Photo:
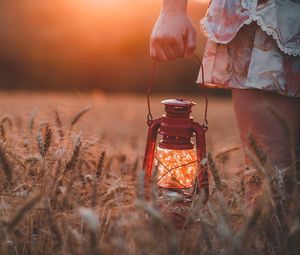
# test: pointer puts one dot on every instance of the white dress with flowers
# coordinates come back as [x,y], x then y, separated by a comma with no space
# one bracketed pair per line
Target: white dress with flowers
[253,45]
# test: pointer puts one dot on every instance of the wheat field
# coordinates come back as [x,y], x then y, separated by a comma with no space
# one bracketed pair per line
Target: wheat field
[71,183]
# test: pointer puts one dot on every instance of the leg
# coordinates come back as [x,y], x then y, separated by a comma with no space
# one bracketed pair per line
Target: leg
[253,116]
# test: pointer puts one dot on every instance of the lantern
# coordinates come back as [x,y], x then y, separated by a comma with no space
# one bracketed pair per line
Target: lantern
[180,162]
[179,157]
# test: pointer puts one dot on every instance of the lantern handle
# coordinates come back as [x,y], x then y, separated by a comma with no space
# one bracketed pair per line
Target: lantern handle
[150,85]
[205,121]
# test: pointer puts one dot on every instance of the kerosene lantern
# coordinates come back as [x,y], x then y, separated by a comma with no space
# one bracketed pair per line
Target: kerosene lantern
[179,157]
[180,163]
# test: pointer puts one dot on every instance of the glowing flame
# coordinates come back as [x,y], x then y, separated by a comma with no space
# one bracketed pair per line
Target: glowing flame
[176,168]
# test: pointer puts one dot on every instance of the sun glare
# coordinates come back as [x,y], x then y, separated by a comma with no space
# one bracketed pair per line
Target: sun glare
[202,1]
[111,4]
[102,3]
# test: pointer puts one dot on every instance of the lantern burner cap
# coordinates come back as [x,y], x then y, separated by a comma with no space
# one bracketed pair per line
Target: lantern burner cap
[178,102]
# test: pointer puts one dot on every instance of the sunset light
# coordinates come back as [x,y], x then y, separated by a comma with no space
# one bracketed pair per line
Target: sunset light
[82,43]
[111,145]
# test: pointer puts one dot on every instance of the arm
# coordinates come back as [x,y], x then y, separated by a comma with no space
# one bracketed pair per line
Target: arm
[173,35]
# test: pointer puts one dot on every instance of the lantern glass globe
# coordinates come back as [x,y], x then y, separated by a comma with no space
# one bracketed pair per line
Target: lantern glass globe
[176,168]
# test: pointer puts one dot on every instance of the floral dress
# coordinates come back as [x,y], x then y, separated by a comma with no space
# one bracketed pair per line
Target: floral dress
[253,45]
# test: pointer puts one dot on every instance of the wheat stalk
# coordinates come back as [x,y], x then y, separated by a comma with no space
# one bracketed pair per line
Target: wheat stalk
[159,218]
[215,172]
[57,235]
[59,126]
[259,153]
[141,185]
[2,133]
[22,211]
[5,163]
[77,117]
[31,121]
[75,154]
[94,193]
[135,165]
[5,119]
[100,164]
[47,139]
[44,140]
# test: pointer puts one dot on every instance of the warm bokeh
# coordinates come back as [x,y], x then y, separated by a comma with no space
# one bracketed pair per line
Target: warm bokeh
[84,44]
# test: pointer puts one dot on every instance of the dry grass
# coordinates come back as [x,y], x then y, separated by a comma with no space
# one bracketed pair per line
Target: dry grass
[72,184]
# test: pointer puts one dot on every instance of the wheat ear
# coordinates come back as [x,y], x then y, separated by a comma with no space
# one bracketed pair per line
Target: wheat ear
[5,163]
[59,126]
[77,117]
[75,154]
[100,164]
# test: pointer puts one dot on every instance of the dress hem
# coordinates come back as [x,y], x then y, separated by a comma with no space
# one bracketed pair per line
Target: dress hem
[226,87]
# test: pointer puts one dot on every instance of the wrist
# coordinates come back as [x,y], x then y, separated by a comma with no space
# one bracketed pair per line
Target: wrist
[177,6]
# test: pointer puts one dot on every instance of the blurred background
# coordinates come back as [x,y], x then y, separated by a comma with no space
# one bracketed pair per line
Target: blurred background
[88,44]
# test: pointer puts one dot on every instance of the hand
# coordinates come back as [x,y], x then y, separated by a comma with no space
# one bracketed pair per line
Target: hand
[173,36]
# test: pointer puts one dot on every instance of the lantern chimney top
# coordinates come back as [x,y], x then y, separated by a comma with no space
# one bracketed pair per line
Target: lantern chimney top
[179,102]
[178,108]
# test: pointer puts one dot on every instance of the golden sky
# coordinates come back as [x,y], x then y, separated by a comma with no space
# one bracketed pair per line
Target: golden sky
[92,38]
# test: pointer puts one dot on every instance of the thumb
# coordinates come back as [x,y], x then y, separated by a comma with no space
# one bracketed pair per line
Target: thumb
[190,42]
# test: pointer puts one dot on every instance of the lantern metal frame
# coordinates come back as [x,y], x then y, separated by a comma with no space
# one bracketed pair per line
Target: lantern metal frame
[177,127]
[177,137]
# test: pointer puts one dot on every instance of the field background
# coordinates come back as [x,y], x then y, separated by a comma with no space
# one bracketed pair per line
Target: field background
[114,125]
[72,183]
[118,121]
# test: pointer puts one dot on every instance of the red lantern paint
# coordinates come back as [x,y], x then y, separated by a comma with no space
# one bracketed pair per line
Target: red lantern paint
[177,129]
[181,165]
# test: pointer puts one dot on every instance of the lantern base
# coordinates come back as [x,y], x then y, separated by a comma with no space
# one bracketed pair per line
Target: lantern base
[174,205]
[168,186]
[168,190]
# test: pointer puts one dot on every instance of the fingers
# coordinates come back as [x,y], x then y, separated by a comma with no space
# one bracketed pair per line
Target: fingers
[153,53]
[172,40]
[178,48]
[161,55]
[171,49]
[190,43]
[166,49]
[157,53]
